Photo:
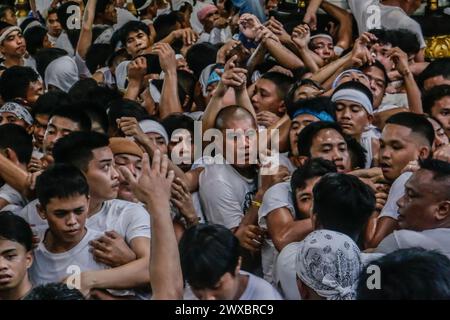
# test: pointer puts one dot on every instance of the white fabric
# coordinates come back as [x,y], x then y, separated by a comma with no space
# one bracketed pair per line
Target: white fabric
[397,191]
[354,96]
[277,196]
[177,4]
[83,70]
[123,16]
[433,239]
[42,6]
[223,193]
[62,73]
[122,74]
[329,262]
[18,110]
[195,23]
[152,126]
[108,78]
[13,197]
[391,18]
[284,274]
[216,36]
[53,267]
[366,142]
[63,42]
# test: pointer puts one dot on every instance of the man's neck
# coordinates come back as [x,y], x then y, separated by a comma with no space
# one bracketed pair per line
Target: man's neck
[55,245]
[13,61]
[243,283]
[94,206]
[393,3]
[18,292]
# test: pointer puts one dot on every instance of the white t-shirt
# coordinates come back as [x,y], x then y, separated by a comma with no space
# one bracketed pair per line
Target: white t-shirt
[432,239]
[225,194]
[128,219]
[391,18]
[53,267]
[397,191]
[216,36]
[277,196]
[284,273]
[15,199]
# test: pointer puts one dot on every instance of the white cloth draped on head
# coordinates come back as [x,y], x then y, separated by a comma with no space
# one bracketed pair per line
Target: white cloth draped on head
[329,263]
[151,126]
[62,73]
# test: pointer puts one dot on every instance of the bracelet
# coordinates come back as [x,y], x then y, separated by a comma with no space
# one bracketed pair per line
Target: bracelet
[256,203]
[192,222]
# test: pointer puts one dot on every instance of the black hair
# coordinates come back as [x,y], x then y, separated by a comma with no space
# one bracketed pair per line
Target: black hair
[186,87]
[355,85]
[132,26]
[406,40]
[199,56]
[97,56]
[15,228]
[207,252]
[45,56]
[312,168]
[380,66]
[80,89]
[34,38]
[343,203]
[101,5]
[51,11]
[14,82]
[407,274]
[125,108]
[178,121]
[384,36]
[49,101]
[4,9]
[16,138]
[60,181]
[231,111]
[75,115]
[54,291]
[76,148]
[318,104]
[25,23]
[165,24]
[433,95]
[95,112]
[103,96]
[307,135]
[418,124]
[440,169]
[439,67]
[358,155]
[282,82]
[302,82]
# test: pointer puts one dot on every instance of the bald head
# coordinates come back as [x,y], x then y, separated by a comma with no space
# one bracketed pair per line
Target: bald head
[232,113]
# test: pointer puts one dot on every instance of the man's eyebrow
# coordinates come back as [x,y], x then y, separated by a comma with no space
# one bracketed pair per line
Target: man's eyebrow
[10,250]
[106,160]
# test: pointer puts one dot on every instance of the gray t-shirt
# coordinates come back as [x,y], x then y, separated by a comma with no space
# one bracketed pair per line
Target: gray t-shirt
[225,195]
[397,191]
[277,196]
[391,17]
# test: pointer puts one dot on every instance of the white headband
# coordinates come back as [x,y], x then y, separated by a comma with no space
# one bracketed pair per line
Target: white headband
[354,96]
[7,31]
[33,24]
[18,110]
[145,5]
[322,35]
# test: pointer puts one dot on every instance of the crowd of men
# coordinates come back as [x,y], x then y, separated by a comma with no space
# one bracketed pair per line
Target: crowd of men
[112,188]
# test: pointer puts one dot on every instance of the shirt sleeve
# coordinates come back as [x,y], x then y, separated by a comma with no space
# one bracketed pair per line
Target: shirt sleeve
[137,222]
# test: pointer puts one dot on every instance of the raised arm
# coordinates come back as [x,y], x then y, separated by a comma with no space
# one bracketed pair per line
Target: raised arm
[345,23]
[85,40]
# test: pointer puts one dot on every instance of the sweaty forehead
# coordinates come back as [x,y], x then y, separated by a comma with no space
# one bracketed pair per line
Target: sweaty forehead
[321,40]
[396,132]
[63,123]
[328,136]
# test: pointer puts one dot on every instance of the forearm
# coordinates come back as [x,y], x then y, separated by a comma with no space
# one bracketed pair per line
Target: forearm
[256,58]
[165,266]
[283,55]
[413,93]
[133,89]
[314,5]
[293,232]
[330,69]
[85,40]
[243,100]
[345,23]
[213,108]
[308,60]
[170,103]
[132,275]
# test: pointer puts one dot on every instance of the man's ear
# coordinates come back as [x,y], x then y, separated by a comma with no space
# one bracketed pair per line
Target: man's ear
[11,155]
[41,211]
[370,117]
[424,152]
[29,258]
[302,160]
[282,108]
[443,211]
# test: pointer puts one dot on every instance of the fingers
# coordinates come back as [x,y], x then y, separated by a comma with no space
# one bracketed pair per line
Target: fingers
[164,165]
[99,246]
[112,234]
[128,175]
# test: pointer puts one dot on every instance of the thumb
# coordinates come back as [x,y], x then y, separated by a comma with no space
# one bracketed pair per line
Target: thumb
[126,173]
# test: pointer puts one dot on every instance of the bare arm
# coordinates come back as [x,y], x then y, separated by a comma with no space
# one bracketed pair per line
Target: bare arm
[283,229]
[85,40]
[345,23]
[13,175]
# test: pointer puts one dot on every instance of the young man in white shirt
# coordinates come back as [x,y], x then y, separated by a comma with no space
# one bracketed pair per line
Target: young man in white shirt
[211,265]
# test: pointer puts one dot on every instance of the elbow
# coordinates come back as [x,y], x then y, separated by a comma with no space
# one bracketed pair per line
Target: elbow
[280,241]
